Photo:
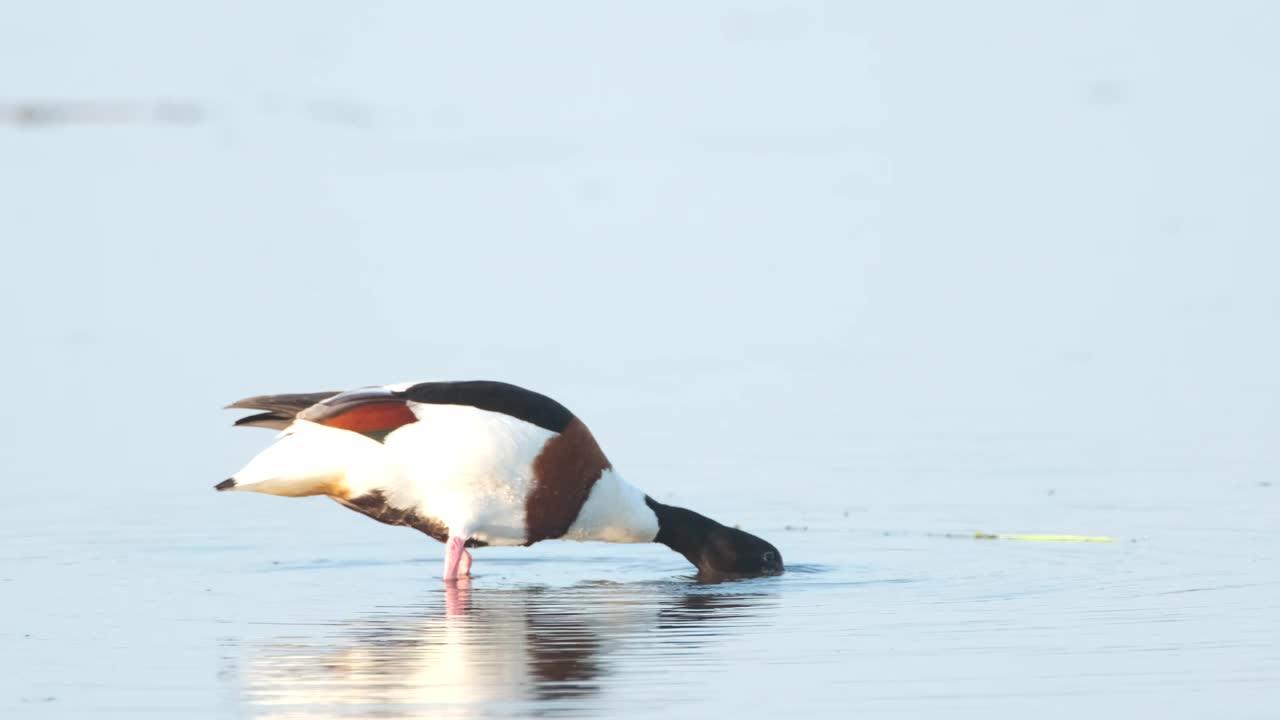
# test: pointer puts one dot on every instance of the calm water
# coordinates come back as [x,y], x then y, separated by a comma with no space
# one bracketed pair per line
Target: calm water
[201,605]
[864,278]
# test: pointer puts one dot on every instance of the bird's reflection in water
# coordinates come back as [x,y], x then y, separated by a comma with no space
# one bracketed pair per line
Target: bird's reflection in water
[497,652]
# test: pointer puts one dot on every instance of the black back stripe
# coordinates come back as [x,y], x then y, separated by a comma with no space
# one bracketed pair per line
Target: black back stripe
[498,397]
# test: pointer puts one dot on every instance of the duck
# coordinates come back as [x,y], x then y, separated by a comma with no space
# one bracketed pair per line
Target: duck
[473,464]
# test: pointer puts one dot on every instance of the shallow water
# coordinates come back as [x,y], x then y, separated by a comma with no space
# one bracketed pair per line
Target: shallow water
[300,609]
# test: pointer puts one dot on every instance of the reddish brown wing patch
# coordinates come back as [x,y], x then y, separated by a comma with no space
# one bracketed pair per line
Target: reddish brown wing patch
[373,417]
[369,411]
[563,474]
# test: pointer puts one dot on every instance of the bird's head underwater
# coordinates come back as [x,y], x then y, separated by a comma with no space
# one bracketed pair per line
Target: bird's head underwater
[730,551]
[713,548]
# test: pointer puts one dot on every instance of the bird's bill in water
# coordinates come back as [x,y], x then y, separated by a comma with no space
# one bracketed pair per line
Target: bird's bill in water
[713,548]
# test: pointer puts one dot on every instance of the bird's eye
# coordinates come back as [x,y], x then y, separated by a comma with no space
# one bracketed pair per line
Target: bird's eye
[768,557]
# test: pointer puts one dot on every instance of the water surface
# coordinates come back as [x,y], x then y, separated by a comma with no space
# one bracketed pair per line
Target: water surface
[301,609]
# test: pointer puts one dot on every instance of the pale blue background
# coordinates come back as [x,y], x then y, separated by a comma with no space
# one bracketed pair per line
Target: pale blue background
[794,250]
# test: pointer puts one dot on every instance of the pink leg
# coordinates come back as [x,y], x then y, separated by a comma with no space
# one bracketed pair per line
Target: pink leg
[454,549]
[464,567]
[455,597]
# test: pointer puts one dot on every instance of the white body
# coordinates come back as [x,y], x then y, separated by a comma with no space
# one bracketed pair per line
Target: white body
[615,511]
[470,469]
[311,459]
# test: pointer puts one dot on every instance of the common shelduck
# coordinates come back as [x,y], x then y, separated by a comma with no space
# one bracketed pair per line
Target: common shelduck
[472,464]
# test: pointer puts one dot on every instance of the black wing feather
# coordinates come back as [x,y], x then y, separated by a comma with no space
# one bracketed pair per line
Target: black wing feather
[499,397]
[280,409]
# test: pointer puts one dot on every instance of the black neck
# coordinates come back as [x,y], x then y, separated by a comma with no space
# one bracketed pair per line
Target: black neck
[684,531]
